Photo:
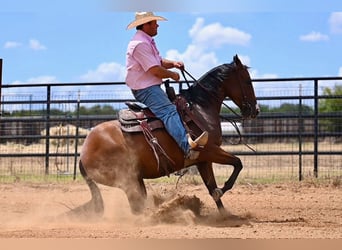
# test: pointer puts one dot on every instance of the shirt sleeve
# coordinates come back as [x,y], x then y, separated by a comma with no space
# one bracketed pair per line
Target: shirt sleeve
[145,56]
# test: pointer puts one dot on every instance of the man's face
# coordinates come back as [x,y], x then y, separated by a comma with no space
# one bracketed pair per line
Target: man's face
[151,28]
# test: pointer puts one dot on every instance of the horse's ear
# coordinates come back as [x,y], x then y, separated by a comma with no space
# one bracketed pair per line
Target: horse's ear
[237,60]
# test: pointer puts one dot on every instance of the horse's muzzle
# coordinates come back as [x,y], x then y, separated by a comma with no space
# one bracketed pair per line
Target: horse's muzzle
[250,111]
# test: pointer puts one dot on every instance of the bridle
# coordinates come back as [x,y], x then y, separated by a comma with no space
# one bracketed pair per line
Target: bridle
[246,106]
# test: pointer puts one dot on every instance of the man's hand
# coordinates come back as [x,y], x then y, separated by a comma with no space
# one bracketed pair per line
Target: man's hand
[178,65]
[163,73]
[169,64]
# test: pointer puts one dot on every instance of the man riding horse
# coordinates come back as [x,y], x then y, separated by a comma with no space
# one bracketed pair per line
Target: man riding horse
[117,155]
[145,71]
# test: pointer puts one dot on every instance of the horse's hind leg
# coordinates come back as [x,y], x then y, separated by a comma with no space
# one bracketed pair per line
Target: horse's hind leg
[95,205]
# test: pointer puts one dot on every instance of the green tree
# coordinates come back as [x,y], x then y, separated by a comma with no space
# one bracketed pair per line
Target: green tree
[39,112]
[292,108]
[93,110]
[263,109]
[98,110]
[332,106]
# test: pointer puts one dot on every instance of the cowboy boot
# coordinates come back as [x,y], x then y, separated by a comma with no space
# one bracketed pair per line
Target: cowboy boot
[200,141]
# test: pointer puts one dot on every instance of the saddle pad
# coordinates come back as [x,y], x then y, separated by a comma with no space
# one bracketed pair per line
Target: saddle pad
[130,121]
[129,116]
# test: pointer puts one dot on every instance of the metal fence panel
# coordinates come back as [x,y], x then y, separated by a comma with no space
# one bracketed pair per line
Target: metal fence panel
[288,145]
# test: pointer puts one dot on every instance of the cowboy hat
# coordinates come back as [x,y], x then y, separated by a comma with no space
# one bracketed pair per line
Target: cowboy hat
[144,17]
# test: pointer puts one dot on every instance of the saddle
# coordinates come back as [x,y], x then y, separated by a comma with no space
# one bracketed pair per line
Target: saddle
[138,118]
[137,113]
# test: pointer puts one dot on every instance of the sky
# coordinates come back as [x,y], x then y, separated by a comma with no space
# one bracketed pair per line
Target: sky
[85,41]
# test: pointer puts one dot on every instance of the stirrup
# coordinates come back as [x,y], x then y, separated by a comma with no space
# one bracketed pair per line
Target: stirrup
[200,141]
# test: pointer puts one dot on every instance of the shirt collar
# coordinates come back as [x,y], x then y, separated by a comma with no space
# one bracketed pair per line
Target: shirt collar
[143,35]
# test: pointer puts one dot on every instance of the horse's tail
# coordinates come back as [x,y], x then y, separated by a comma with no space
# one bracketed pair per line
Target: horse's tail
[82,170]
[84,174]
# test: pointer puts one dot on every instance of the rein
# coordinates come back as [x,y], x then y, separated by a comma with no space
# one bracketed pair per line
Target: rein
[240,141]
[186,80]
[194,79]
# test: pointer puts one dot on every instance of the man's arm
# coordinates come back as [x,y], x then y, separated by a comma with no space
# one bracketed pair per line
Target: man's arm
[169,64]
[162,72]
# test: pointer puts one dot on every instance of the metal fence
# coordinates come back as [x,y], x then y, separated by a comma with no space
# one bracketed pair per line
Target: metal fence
[287,145]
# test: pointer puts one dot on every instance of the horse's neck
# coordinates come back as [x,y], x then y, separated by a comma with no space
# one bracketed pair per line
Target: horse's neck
[206,99]
[207,115]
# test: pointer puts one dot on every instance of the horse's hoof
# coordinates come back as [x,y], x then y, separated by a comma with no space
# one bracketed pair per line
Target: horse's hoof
[217,194]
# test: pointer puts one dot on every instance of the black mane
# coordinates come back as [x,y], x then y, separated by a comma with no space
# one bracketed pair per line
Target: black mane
[209,82]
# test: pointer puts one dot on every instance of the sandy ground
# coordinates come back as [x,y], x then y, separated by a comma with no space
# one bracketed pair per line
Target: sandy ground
[273,211]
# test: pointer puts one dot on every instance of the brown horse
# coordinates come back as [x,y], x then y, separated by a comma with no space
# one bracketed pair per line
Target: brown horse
[115,158]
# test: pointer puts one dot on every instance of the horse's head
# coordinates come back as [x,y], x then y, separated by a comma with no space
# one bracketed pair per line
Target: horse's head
[238,87]
[227,80]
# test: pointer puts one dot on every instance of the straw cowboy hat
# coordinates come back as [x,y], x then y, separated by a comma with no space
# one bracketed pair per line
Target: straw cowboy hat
[144,17]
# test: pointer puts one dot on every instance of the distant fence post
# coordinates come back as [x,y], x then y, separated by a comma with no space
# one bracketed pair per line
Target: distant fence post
[77,133]
[300,130]
[316,128]
[47,128]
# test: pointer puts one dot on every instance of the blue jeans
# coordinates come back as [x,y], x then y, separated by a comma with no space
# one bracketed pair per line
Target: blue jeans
[156,99]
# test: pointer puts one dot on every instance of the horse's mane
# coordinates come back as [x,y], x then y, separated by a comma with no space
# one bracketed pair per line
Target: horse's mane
[209,82]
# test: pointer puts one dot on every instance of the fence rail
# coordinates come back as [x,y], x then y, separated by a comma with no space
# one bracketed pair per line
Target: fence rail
[309,146]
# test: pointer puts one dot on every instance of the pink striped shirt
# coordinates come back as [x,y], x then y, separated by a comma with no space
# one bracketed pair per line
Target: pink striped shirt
[141,55]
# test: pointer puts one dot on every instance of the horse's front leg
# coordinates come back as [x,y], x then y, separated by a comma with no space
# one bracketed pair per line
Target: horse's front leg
[206,171]
[222,157]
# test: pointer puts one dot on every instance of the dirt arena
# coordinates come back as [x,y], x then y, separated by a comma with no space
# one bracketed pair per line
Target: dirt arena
[273,211]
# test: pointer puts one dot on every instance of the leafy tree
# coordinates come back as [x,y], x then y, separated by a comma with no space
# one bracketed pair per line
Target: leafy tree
[98,110]
[292,108]
[225,110]
[264,108]
[25,112]
[94,110]
[332,106]
[283,108]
